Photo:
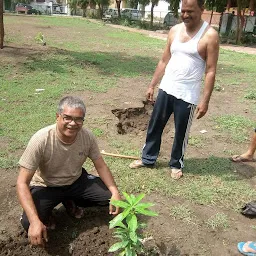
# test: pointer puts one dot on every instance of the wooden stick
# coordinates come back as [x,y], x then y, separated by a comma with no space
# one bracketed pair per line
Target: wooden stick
[118,155]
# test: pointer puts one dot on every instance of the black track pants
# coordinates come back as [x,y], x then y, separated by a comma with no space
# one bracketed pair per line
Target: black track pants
[88,190]
[183,112]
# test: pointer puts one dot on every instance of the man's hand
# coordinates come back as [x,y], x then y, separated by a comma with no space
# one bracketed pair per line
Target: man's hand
[37,234]
[112,209]
[150,94]
[201,110]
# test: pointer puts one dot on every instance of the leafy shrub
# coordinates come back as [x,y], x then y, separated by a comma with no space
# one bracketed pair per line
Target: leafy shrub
[127,226]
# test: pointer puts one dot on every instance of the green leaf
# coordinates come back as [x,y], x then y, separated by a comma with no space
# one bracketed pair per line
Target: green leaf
[145,212]
[121,236]
[133,236]
[122,253]
[118,246]
[138,199]
[128,198]
[121,231]
[118,219]
[121,225]
[132,222]
[130,251]
[133,197]
[145,205]
[119,203]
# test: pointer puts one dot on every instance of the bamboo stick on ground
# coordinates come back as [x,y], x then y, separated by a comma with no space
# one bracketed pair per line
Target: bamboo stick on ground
[118,155]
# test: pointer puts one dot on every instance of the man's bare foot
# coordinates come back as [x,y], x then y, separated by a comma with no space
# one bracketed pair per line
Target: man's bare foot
[176,173]
[242,158]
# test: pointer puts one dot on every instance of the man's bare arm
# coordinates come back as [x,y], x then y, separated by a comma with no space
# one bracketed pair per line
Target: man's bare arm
[108,180]
[159,72]
[37,231]
[212,54]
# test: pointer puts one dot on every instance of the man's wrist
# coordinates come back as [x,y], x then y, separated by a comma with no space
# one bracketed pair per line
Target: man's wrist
[114,190]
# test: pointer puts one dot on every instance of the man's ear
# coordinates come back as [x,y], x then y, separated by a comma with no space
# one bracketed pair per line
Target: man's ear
[57,115]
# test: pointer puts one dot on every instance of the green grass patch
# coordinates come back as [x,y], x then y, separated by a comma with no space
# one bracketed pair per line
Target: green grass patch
[218,221]
[93,57]
[234,126]
[250,95]
[97,132]
[182,212]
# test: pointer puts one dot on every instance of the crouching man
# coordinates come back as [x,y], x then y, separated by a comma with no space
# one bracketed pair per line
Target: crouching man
[51,172]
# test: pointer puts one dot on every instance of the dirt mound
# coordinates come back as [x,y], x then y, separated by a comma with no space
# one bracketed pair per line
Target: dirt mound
[133,120]
[89,236]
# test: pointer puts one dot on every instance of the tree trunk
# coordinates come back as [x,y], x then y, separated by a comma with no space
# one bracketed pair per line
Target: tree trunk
[240,23]
[210,22]
[84,12]
[152,15]
[118,4]
[1,24]
[101,10]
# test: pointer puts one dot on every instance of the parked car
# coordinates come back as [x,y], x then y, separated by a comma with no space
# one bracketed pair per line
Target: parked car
[111,13]
[170,19]
[132,14]
[25,8]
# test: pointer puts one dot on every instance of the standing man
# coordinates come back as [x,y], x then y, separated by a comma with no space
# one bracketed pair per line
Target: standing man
[192,49]
[51,171]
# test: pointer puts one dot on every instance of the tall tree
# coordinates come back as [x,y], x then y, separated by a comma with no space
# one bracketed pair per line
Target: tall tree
[133,3]
[174,7]
[1,24]
[83,4]
[73,6]
[118,5]
[144,3]
[101,4]
[153,4]
[217,5]
[241,5]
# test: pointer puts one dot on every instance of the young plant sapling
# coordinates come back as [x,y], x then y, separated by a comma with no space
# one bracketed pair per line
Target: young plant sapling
[127,225]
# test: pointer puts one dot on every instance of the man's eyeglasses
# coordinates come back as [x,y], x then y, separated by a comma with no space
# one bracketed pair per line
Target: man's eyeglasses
[68,119]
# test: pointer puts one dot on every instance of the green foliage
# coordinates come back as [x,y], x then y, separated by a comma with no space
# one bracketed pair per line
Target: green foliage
[73,6]
[127,225]
[40,38]
[174,5]
[248,38]
[101,4]
[132,3]
[217,5]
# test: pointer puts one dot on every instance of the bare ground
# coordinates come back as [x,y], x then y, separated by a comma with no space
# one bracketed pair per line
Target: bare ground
[91,236]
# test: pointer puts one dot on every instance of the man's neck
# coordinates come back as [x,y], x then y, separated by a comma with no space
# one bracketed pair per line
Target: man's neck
[195,28]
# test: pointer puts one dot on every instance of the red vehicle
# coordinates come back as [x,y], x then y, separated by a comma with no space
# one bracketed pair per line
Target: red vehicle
[25,8]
